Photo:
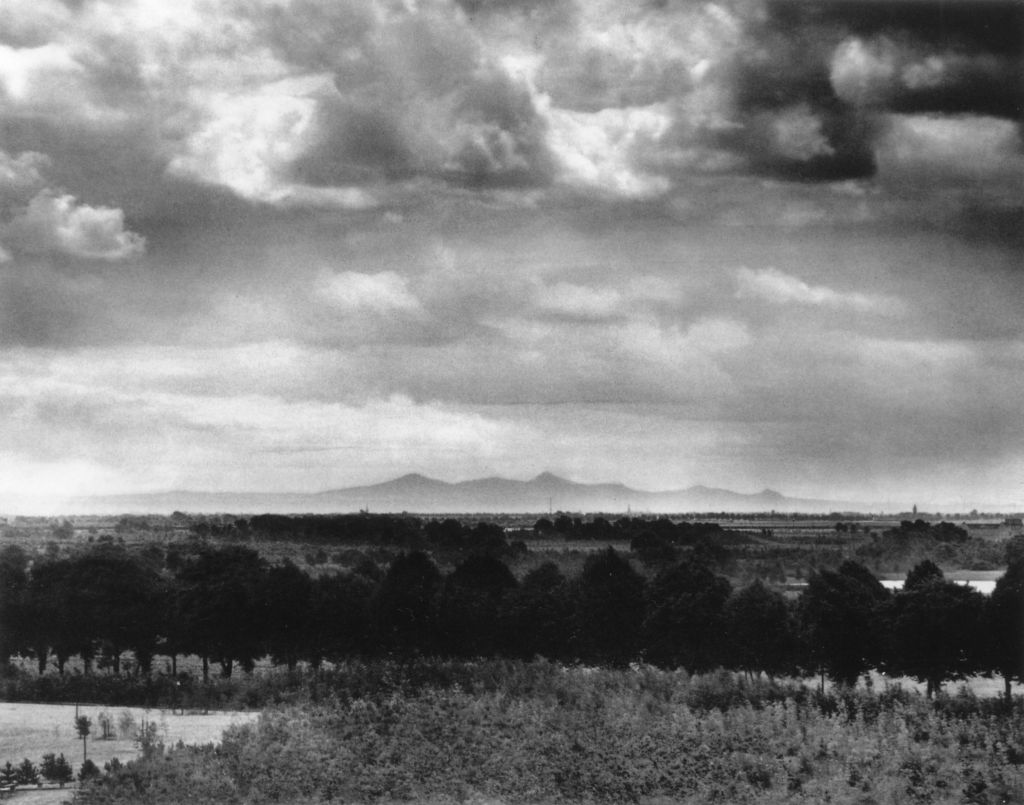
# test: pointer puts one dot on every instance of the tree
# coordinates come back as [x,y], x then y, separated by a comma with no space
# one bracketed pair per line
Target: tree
[472,618]
[540,612]
[8,775]
[89,771]
[117,595]
[287,624]
[922,573]
[936,632]
[760,631]
[608,610]
[57,622]
[338,617]
[13,592]
[1015,549]
[57,769]
[28,774]
[1005,619]
[684,624]
[405,605]
[221,607]
[83,726]
[839,615]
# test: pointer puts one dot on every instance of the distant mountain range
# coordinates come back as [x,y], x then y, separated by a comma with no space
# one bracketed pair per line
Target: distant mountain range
[422,495]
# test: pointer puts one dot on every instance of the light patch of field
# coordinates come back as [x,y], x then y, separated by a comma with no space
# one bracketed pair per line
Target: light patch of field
[32,730]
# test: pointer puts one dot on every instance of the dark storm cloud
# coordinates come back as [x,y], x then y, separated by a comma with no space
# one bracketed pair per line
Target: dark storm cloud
[848,62]
[994,26]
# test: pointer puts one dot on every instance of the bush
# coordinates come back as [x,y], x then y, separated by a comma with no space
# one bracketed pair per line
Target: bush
[27,773]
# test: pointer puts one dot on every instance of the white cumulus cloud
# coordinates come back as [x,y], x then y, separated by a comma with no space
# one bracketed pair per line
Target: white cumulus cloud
[59,223]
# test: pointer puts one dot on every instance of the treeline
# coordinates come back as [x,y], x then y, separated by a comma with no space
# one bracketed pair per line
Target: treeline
[227,605]
[655,541]
[413,533]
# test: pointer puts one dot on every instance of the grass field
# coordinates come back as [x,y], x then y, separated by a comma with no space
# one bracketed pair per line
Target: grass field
[32,730]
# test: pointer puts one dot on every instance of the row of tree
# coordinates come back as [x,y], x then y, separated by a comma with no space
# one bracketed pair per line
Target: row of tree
[54,768]
[227,605]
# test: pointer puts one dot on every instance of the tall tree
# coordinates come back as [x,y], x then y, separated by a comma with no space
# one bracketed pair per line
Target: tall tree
[222,606]
[83,726]
[608,604]
[405,604]
[58,624]
[936,632]
[473,621]
[1005,618]
[287,620]
[14,625]
[339,617]
[540,611]
[685,624]
[115,596]
[840,622]
[760,631]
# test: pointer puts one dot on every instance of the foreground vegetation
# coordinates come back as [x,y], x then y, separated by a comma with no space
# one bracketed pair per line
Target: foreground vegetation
[512,732]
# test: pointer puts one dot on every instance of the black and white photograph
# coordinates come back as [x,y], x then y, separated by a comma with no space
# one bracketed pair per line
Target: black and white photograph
[512,402]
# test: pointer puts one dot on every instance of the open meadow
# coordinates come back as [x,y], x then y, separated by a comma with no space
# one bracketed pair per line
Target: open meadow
[29,730]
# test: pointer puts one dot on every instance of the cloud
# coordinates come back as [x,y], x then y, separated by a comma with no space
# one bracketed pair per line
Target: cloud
[579,301]
[906,75]
[939,148]
[780,288]
[250,142]
[376,293]
[58,223]
[65,417]
[600,150]
[21,176]
[36,76]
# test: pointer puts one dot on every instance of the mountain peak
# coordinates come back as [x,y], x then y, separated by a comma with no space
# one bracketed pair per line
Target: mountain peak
[413,479]
[549,478]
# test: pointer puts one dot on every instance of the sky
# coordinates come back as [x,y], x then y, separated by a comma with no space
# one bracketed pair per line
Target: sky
[296,245]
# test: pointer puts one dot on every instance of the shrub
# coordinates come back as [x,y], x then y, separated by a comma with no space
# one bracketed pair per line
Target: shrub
[27,773]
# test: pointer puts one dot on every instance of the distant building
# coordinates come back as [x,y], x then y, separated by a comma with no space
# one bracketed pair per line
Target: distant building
[1014,522]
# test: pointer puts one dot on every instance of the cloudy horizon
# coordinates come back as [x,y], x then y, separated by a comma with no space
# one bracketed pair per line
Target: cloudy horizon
[296,245]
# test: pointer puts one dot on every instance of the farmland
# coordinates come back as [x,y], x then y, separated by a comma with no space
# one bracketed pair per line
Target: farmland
[645,659]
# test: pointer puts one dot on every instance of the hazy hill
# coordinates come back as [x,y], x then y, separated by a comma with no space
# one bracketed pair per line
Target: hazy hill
[420,494]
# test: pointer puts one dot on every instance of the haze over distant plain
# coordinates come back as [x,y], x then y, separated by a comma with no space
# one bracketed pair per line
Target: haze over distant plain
[295,245]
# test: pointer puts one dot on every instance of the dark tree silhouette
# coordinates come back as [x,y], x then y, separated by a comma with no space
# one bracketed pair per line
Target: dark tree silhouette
[936,632]
[56,769]
[609,610]
[840,622]
[289,592]
[221,606]
[921,574]
[760,631]
[116,600]
[684,625]
[14,626]
[1005,618]
[540,611]
[83,726]
[28,774]
[473,621]
[339,617]
[405,604]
